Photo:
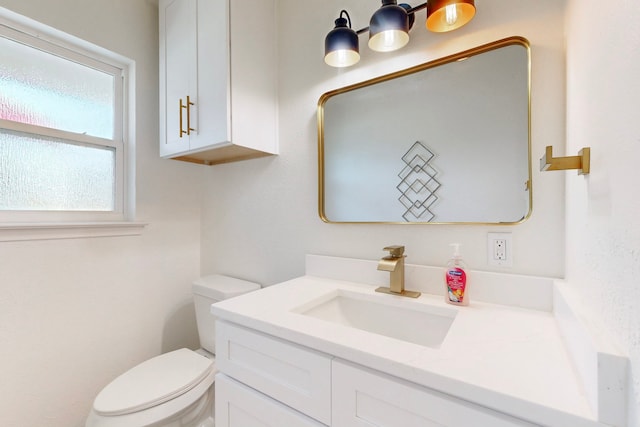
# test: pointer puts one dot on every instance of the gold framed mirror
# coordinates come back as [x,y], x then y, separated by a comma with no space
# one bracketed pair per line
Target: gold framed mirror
[444,142]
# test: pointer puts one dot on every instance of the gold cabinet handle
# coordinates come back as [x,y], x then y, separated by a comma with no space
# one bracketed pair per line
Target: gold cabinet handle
[188,108]
[181,107]
[189,104]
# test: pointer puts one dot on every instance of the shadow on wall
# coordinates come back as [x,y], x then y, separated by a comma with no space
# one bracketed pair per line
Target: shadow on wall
[180,329]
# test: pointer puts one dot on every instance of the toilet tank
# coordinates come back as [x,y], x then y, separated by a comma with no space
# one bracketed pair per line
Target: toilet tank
[209,290]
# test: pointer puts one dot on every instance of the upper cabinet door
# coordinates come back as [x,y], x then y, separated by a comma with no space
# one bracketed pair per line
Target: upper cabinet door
[178,75]
[213,69]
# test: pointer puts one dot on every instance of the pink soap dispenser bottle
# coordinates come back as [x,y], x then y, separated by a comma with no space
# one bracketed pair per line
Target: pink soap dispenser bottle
[455,277]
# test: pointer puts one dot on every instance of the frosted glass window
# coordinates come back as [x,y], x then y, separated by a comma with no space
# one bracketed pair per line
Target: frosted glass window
[63,127]
[47,174]
[43,89]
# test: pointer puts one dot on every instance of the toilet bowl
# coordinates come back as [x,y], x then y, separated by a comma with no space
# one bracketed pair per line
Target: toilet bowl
[174,389]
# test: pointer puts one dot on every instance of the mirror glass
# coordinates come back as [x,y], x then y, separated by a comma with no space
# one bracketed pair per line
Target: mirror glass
[443,142]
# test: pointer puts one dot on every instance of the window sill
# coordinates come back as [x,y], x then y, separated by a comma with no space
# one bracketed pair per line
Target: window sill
[13,232]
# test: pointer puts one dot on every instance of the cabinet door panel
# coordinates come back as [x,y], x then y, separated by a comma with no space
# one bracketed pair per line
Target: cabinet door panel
[363,398]
[240,406]
[177,54]
[254,72]
[211,116]
[296,376]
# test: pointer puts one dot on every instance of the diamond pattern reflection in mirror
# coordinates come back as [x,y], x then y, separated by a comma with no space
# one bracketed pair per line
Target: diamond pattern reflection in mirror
[418,184]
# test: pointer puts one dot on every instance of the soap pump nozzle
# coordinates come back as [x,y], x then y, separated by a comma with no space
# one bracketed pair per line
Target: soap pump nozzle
[456,250]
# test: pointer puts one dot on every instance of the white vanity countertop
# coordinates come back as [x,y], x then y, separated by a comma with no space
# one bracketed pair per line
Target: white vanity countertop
[506,358]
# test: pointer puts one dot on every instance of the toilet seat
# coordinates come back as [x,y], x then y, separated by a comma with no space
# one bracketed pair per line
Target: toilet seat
[153,382]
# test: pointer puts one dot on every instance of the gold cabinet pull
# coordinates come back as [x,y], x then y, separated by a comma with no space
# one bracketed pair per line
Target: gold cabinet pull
[181,107]
[188,107]
[189,104]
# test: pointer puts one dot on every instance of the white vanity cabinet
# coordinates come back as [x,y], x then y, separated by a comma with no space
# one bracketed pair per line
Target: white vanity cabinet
[218,80]
[263,378]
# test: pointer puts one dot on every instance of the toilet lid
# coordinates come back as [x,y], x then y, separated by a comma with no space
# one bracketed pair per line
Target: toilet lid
[153,382]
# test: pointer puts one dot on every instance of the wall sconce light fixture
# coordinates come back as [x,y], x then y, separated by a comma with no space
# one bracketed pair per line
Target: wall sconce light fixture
[389,28]
[341,44]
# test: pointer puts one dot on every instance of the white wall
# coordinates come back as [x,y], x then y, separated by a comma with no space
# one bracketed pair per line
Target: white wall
[76,313]
[260,217]
[603,226]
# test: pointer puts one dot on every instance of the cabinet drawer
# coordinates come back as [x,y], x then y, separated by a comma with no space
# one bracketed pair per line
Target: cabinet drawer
[364,398]
[240,406]
[297,377]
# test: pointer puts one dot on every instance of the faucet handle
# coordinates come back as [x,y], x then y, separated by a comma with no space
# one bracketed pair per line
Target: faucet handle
[396,251]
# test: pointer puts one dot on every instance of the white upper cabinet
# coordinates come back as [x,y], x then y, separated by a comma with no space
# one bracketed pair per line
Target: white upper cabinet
[218,80]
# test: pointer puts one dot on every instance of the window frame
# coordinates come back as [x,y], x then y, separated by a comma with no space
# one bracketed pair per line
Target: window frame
[64,224]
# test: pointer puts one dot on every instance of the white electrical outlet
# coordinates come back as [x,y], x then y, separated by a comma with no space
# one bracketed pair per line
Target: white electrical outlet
[499,249]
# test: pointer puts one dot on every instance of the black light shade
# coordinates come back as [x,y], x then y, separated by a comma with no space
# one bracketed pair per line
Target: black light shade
[389,27]
[341,48]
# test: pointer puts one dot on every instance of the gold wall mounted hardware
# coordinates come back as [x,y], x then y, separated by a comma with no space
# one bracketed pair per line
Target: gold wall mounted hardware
[186,106]
[581,162]
[394,264]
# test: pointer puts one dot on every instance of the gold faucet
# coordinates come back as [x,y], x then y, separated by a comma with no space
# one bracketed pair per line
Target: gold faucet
[394,263]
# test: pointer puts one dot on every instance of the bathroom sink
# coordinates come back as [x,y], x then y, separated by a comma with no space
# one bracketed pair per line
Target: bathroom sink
[402,319]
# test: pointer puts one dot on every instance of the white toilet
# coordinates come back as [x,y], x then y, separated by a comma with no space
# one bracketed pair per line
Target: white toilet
[175,389]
